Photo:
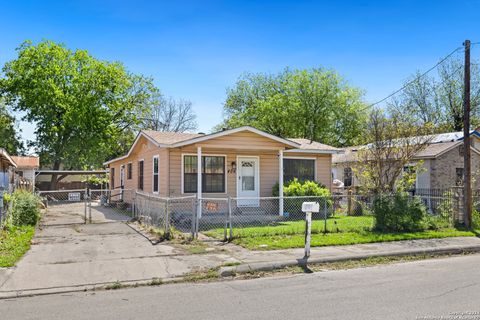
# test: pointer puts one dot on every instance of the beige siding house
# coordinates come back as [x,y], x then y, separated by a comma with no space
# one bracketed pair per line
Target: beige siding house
[442,163]
[244,162]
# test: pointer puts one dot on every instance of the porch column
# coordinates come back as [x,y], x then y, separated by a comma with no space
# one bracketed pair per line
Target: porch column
[199,181]
[280,181]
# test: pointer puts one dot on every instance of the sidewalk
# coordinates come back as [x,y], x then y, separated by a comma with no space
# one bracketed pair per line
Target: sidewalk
[270,260]
[67,255]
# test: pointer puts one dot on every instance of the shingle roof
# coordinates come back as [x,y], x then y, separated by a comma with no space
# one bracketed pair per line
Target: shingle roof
[26,162]
[308,144]
[431,151]
[170,137]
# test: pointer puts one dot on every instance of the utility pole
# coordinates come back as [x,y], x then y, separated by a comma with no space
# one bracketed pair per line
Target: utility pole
[467,171]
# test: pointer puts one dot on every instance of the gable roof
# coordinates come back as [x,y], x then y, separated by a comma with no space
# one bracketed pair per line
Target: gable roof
[307,145]
[179,139]
[438,145]
[232,131]
[169,138]
[26,162]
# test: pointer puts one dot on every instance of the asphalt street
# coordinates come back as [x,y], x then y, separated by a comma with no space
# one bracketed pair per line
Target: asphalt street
[446,288]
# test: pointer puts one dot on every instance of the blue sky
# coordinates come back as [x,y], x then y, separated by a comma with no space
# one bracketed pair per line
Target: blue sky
[196,49]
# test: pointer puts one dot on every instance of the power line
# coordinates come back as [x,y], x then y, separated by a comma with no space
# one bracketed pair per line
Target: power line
[412,81]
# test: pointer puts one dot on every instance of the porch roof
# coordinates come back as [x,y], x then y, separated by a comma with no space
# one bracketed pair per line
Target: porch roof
[6,159]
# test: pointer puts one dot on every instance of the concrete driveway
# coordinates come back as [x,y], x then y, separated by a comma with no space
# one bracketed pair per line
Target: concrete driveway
[69,254]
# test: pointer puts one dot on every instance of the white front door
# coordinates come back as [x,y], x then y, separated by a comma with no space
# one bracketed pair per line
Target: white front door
[248,186]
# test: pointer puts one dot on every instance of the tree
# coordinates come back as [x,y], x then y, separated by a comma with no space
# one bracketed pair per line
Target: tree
[9,137]
[170,115]
[316,104]
[81,106]
[395,140]
[438,101]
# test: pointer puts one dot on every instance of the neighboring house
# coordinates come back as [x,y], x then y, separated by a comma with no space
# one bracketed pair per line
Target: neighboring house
[241,162]
[442,162]
[7,166]
[25,170]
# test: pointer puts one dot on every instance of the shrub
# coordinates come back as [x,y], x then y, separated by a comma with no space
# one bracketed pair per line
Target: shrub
[296,188]
[399,213]
[476,220]
[25,208]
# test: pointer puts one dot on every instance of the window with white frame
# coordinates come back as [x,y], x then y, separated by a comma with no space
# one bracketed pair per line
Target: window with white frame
[213,174]
[302,169]
[155,176]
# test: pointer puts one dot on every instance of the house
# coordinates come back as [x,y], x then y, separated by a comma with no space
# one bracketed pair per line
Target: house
[442,159]
[25,170]
[7,166]
[243,162]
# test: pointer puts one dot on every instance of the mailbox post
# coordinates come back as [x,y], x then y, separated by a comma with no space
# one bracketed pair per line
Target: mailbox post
[309,208]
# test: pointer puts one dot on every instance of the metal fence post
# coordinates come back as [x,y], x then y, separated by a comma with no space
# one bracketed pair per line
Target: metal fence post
[85,202]
[194,215]
[230,218]
[167,219]
[89,205]
[325,215]
[227,220]
[134,200]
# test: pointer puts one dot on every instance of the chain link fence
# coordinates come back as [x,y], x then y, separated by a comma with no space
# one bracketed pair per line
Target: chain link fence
[79,204]
[227,218]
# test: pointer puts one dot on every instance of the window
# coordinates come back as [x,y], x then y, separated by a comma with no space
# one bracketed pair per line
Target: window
[140,175]
[213,174]
[155,174]
[129,171]
[459,176]
[122,176]
[460,150]
[112,178]
[302,169]
[347,177]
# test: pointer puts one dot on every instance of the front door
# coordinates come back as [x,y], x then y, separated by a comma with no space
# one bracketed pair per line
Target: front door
[248,185]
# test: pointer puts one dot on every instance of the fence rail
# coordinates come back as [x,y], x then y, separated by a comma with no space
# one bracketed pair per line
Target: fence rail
[230,217]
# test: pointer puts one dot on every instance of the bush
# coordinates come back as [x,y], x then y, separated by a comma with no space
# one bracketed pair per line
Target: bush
[296,188]
[476,220]
[25,208]
[399,213]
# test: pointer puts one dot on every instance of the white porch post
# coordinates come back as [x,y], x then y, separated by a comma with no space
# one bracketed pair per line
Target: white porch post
[280,181]
[199,181]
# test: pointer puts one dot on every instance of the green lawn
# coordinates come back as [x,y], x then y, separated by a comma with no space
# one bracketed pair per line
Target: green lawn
[342,230]
[14,242]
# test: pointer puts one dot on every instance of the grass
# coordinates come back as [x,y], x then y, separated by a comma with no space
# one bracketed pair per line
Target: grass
[14,242]
[342,230]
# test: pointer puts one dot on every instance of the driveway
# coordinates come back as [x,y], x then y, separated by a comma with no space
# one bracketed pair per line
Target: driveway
[69,254]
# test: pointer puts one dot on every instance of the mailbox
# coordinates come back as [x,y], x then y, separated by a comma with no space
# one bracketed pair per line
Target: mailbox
[310,207]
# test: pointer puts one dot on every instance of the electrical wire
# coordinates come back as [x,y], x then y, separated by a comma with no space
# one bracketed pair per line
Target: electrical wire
[412,81]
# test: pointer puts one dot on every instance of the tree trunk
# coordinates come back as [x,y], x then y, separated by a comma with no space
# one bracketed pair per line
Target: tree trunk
[54,180]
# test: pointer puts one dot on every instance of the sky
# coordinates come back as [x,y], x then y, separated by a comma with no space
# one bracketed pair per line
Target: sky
[195,50]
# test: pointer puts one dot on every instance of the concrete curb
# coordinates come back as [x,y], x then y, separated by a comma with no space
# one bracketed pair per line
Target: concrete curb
[83,288]
[274,265]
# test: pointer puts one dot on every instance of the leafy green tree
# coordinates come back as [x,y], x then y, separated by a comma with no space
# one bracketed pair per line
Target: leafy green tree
[438,99]
[313,103]
[9,138]
[81,106]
